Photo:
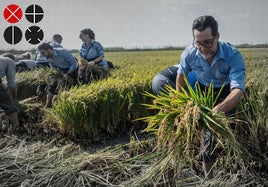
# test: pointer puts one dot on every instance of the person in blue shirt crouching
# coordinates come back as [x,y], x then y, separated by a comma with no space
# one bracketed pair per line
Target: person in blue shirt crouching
[62,60]
[214,62]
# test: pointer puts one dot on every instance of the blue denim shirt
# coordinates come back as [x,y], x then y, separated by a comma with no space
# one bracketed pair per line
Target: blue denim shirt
[40,58]
[63,59]
[94,51]
[227,67]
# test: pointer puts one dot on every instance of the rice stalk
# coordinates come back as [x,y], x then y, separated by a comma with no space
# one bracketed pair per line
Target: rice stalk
[180,124]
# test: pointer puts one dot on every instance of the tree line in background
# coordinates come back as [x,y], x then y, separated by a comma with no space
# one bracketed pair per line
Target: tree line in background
[122,49]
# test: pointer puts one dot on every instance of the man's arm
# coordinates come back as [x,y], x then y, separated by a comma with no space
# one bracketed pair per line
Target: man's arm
[13,92]
[180,82]
[237,76]
[230,102]
[100,52]
[11,71]
[68,57]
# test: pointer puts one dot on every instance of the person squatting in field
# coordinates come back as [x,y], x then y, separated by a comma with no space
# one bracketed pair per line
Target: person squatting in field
[168,77]
[93,52]
[214,62]
[8,94]
[62,60]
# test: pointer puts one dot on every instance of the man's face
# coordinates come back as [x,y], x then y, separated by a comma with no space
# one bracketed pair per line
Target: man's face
[205,42]
[47,53]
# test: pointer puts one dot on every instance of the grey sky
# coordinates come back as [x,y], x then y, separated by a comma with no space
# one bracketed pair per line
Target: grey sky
[143,23]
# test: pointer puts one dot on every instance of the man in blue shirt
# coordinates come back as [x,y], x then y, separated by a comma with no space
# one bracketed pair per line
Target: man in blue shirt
[213,62]
[55,43]
[61,59]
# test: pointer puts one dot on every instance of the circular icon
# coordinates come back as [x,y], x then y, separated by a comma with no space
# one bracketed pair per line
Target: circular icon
[13,35]
[34,13]
[34,35]
[12,13]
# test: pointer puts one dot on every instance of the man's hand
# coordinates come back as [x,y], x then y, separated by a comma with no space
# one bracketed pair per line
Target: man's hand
[180,83]
[230,102]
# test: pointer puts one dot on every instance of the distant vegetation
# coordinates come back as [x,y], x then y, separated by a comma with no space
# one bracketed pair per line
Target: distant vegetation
[122,49]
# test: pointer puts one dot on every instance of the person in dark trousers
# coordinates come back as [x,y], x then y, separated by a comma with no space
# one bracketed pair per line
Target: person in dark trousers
[214,62]
[62,60]
[168,77]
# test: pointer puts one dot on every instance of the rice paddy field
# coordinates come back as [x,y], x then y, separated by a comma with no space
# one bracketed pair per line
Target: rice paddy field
[115,132]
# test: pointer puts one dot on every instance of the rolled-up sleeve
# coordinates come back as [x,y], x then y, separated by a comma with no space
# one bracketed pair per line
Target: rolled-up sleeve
[237,74]
[68,57]
[99,49]
[11,72]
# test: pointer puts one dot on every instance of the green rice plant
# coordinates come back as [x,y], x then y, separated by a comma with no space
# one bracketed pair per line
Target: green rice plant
[254,135]
[180,124]
[48,75]
[99,110]
[27,82]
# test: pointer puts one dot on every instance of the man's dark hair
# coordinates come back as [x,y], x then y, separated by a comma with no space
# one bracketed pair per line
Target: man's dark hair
[203,22]
[44,46]
[89,32]
[57,38]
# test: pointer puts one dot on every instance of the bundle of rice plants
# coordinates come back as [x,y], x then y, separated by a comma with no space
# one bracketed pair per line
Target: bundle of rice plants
[88,73]
[180,124]
[48,75]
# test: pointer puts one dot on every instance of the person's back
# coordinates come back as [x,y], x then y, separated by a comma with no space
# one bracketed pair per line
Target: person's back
[7,68]
[8,95]
[62,59]
[25,65]
[9,55]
